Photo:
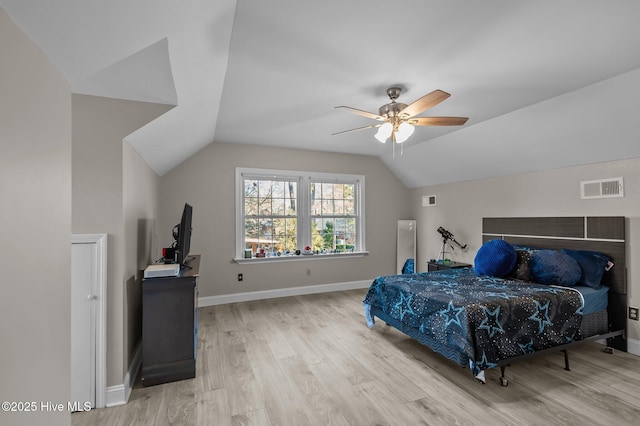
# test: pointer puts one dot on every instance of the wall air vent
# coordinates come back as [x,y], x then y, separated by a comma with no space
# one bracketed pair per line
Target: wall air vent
[428,200]
[602,188]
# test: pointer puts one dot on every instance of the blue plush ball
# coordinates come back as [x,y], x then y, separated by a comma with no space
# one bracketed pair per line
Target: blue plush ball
[496,258]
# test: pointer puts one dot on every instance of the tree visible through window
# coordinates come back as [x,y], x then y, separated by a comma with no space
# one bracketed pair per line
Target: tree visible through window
[333,217]
[270,215]
[282,212]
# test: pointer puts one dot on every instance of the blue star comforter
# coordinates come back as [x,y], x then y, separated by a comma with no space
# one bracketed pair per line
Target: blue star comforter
[474,319]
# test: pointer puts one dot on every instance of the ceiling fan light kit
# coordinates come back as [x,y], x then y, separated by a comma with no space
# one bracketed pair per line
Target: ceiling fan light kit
[384,132]
[399,119]
[405,130]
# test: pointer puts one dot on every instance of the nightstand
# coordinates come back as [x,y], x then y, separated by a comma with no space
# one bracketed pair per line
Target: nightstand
[437,266]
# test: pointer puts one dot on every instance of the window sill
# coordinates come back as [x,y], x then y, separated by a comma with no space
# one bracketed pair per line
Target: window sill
[297,258]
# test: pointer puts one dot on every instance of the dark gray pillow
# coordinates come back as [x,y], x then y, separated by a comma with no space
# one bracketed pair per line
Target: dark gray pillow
[593,265]
[554,267]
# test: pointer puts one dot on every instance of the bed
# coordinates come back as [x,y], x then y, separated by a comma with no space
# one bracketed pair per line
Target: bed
[485,321]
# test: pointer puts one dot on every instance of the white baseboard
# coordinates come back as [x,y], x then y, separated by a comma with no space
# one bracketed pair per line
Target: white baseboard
[115,395]
[119,394]
[633,346]
[281,292]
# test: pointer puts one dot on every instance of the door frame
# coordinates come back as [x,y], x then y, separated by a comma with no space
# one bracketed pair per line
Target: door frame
[100,311]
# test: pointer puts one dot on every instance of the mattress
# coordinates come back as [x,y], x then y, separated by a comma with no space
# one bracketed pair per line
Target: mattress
[594,299]
[594,324]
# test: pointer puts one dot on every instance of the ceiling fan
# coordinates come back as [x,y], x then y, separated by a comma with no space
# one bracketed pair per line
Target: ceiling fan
[398,119]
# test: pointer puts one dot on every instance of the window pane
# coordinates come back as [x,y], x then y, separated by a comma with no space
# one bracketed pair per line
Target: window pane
[316,235]
[264,206]
[316,225]
[338,190]
[327,191]
[312,191]
[279,227]
[292,188]
[251,229]
[316,208]
[278,207]
[264,188]
[286,235]
[277,189]
[351,225]
[287,191]
[290,206]
[349,207]
[327,207]
[265,230]
[328,236]
[250,206]
[251,188]
[349,191]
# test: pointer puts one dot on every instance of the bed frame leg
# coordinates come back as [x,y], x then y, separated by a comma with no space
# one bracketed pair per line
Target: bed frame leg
[566,360]
[503,379]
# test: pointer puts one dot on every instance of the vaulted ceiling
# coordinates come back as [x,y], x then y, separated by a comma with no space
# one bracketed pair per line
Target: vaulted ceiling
[271,72]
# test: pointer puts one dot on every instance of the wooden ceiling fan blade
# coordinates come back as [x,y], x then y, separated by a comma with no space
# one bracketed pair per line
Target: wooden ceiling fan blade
[424,103]
[362,113]
[438,121]
[359,128]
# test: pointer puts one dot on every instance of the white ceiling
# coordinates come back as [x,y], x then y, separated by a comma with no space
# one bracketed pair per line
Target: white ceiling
[271,72]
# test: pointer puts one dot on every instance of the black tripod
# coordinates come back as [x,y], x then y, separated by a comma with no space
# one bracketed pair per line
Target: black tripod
[446,237]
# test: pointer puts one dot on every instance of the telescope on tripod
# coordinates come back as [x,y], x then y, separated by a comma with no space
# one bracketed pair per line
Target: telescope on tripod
[446,238]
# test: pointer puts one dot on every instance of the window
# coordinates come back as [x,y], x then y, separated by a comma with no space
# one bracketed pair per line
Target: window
[333,217]
[280,212]
[270,214]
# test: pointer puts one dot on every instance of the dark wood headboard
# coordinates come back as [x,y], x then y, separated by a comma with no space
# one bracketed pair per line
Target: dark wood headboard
[605,234]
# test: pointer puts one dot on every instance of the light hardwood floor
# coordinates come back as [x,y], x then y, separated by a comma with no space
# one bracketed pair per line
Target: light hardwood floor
[311,360]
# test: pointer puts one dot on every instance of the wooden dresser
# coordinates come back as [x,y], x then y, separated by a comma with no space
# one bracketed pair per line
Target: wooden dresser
[170,326]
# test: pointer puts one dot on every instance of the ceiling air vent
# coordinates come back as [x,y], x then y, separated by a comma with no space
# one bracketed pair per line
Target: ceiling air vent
[602,188]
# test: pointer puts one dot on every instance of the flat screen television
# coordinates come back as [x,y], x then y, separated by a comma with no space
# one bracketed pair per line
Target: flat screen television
[183,237]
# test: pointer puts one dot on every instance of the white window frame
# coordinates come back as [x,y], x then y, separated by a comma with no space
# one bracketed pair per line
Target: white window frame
[304,180]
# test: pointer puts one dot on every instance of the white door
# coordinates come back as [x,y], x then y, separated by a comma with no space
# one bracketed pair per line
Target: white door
[83,339]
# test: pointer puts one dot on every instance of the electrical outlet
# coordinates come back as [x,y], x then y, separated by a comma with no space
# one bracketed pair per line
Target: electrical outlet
[633,313]
[240,277]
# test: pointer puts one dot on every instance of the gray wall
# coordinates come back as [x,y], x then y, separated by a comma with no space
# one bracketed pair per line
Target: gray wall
[206,181]
[461,207]
[35,248]
[140,202]
[102,169]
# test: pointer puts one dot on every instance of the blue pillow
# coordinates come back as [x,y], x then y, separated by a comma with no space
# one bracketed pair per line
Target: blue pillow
[495,258]
[554,267]
[593,265]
